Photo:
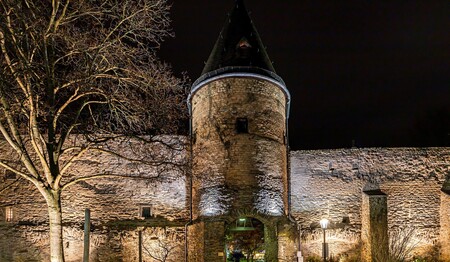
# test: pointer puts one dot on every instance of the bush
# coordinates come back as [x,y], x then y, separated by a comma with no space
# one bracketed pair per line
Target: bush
[314,258]
[432,255]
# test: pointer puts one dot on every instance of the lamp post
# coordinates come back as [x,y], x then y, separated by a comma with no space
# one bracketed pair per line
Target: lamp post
[324,225]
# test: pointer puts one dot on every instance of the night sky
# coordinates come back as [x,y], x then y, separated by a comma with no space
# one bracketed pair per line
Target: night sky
[373,72]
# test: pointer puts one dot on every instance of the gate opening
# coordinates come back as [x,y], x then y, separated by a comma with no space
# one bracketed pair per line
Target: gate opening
[244,240]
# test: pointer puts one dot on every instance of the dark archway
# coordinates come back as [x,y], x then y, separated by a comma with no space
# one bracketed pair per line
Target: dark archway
[245,240]
[269,224]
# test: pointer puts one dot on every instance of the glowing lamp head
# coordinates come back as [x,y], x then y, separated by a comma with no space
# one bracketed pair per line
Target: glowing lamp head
[324,223]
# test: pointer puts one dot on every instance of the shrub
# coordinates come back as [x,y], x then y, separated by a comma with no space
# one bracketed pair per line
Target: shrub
[314,258]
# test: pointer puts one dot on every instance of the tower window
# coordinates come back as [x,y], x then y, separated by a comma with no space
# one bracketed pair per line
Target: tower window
[242,125]
[146,211]
[243,49]
[243,43]
[8,214]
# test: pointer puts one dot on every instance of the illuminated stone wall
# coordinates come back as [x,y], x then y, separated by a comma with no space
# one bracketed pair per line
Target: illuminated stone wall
[325,183]
[330,183]
[233,170]
[115,204]
[31,244]
[161,185]
[239,159]
[445,222]
[374,228]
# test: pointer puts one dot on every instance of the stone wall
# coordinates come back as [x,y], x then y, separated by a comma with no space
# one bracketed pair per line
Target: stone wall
[445,222]
[330,183]
[233,169]
[158,182]
[324,183]
[25,243]
[374,228]
[239,157]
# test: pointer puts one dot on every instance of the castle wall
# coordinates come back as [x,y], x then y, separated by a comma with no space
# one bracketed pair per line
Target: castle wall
[445,222]
[324,183]
[330,183]
[115,202]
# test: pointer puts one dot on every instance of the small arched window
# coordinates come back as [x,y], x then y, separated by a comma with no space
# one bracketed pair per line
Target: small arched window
[243,48]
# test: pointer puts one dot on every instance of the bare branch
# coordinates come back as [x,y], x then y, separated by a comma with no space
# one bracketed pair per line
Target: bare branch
[10,64]
[62,16]
[68,164]
[10,168]
[142,160]
[75,97]
[3,189]
[34,180]
[75,76]
[36,136]
[97,176]
[14,139]
[51,24]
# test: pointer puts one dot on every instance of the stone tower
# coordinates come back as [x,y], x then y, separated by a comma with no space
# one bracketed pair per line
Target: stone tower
[239,109]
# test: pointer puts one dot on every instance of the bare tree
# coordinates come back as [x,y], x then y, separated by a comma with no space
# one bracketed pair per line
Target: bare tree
[80,67]
[161,245]
[402,242]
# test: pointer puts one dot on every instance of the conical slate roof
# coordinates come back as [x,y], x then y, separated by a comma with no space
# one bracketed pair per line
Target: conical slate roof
[239,44]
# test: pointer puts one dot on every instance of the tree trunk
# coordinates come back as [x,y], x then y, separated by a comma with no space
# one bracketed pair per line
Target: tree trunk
[56,230]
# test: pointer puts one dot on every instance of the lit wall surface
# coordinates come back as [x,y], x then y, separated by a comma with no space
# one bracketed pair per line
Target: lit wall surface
[324,183]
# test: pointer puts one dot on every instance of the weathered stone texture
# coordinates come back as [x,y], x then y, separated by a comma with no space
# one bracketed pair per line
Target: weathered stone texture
[196,243]
[287,242]
[374,228]
[112,200]
[271,243]
[323,182]
[445,225]
[232,170]
[23,243]
[206,241]
[214,241]
[161,185]
[329,183]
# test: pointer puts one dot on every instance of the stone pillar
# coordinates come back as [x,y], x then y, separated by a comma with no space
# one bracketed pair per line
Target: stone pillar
[445,224]
[271,243]
[196,243]
[287,241]
[214,241]
[374,228]
[207,241]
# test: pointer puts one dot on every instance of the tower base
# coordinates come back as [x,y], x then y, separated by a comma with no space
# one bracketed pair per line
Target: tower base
[218,239]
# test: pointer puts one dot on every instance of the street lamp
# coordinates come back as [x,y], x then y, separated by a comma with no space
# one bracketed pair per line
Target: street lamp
[324,225]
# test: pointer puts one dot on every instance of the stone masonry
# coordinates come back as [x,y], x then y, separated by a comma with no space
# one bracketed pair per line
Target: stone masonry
[234,165]
[235,170]
[324,183]
[331,184]
[116,207]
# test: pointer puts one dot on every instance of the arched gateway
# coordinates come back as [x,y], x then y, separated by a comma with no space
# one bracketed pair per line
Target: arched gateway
[239,109]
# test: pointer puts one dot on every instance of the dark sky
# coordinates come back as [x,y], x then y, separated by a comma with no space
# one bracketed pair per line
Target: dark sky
[376,72]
